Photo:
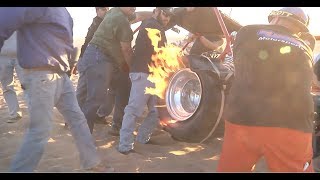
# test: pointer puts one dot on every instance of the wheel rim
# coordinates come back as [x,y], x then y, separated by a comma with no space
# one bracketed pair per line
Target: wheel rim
[183,94]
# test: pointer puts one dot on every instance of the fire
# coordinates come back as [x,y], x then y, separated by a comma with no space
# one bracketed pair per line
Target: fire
[165,61]
[165,123]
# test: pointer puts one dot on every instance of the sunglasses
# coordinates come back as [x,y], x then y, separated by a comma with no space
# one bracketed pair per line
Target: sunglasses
[165,14]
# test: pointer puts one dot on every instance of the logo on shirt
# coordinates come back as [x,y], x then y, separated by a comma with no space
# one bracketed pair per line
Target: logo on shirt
[268,35]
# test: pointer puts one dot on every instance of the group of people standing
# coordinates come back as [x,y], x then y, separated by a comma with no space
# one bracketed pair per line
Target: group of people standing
[269,110]
[45,45]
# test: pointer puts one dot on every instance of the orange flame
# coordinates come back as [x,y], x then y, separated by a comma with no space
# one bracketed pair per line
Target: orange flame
[165,61]
[166,122]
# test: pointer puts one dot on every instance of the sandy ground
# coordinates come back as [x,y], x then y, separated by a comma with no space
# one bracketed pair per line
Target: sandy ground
[163,155]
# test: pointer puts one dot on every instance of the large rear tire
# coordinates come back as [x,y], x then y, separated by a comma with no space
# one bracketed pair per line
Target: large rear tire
[206,120]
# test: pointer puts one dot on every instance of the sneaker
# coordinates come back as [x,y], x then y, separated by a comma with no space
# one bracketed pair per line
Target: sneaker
[126,152]
[14,119]
[114,132]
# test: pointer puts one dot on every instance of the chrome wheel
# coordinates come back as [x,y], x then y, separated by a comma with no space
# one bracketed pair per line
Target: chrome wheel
[183,94]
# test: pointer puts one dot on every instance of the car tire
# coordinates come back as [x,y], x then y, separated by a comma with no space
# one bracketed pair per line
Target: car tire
[206,121]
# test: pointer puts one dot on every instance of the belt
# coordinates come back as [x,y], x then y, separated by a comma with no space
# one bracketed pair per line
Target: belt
[52,69]
[109,58]
[97,47]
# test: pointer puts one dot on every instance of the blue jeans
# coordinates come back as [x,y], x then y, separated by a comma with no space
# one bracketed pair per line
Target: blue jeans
[137,102]
[98,74]
[7,67]
[46,90]
[117,98]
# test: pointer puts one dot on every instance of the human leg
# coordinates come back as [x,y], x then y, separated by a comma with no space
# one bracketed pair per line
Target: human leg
[240,149]
[133,110]
[40,90]
[68,107]
[288,150]
[7,82]
[122,86]
[150,122]
[98,80]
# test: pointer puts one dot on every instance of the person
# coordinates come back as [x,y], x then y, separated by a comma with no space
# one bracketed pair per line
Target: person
[101,12]
[308,38]
[205,44]
[44,43]
[210,49]
[269,110]
[117,97]
[104,60]
[9,65]
[139,73]
[315,91]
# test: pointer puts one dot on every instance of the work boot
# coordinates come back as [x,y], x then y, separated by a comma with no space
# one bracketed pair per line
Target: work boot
[126,152]
[14,119]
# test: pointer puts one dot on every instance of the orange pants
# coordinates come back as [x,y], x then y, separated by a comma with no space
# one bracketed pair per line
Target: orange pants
[285,150]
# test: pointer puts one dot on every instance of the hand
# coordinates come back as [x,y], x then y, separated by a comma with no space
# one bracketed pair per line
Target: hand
[74,70]
[124,67]
[193,37]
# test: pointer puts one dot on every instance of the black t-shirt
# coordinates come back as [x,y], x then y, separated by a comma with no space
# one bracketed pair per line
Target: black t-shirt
[143,47]
[198,48]
[273,75]
[91,30]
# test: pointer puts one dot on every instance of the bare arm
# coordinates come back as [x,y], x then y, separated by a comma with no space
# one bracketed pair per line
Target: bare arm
[141,15]
[211,45]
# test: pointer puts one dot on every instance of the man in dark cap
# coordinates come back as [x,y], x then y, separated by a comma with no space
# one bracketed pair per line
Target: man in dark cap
[269,110]
[139,73]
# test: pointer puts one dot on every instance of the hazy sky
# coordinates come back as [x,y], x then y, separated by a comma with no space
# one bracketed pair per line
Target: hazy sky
[244,15]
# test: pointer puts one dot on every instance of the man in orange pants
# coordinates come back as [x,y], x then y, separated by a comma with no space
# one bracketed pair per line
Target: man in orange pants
[269,110]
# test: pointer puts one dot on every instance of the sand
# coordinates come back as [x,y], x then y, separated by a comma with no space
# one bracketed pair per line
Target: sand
[163,154]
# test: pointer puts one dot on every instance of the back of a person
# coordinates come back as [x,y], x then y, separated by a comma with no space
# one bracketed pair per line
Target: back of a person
[143,47]
[49,39]
[272,80]
[105,37]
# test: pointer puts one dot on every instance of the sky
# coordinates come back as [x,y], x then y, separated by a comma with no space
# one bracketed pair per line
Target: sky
[83,16]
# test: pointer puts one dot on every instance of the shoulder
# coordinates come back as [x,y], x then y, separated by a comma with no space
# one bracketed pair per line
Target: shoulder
[116,16]
[152,23]
[96,21]
[251,28]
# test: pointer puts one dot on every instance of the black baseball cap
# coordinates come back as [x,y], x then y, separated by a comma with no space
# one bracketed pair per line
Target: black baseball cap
[167,10]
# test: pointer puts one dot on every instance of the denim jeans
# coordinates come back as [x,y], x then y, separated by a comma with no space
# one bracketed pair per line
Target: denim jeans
[137,102]
[7,67]
[117,98]
[46,90]
[98,74]
[122,86]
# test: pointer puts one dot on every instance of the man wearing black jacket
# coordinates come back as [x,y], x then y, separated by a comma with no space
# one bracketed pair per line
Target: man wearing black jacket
[101,12]
[106,108]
